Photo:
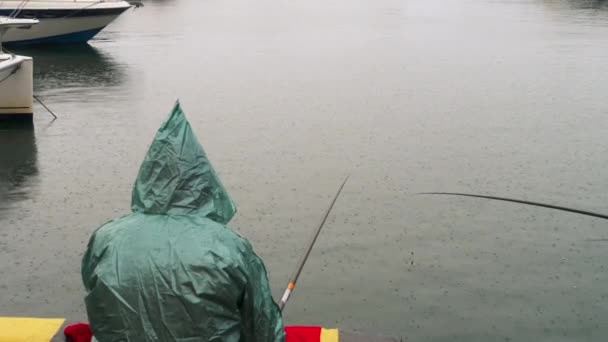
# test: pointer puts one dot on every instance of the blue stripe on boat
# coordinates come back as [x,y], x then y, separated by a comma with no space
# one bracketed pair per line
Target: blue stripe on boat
[70,38]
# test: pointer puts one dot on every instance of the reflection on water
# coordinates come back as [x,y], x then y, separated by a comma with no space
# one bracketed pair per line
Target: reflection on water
[584,11]
[72,68]
[589,4]
[18,165]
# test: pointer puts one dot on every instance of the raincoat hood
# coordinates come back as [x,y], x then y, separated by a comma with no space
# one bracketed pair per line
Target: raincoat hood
[177,178]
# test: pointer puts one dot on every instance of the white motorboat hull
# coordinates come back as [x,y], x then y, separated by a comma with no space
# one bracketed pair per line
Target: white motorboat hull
[16,88]
[62,22]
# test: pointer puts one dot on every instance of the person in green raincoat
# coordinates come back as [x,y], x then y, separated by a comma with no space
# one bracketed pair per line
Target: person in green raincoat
[172,270]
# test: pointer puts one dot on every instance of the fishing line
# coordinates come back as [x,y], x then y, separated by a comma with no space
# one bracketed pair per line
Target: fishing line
[505,199]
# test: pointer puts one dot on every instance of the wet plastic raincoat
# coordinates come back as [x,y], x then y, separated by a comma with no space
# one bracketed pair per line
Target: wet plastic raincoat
[172,270]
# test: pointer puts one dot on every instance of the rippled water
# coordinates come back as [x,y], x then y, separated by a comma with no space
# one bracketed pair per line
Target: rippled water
[495,97]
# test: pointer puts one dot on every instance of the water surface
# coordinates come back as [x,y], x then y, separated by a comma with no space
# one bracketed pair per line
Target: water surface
[495,97]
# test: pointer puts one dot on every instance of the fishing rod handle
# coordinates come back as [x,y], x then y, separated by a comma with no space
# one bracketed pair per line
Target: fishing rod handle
[286,295]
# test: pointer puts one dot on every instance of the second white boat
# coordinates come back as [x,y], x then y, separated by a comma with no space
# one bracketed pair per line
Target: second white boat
[16,76]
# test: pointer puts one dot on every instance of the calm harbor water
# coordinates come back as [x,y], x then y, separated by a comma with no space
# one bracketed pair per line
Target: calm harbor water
[495,97]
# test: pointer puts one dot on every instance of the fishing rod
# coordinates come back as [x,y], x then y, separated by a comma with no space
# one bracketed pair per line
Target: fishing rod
[505,199]
[294,278]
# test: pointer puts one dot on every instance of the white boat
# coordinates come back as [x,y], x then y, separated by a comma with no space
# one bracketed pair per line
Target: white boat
[61,21]
[16,76]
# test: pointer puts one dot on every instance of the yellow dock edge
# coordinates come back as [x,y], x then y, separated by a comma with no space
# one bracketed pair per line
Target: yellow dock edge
[330,335]
[28,329]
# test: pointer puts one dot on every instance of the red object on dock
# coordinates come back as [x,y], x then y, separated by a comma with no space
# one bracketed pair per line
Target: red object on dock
[303,334]
[80,332]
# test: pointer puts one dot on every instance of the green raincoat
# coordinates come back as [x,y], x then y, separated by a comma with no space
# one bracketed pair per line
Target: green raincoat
[172,270]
